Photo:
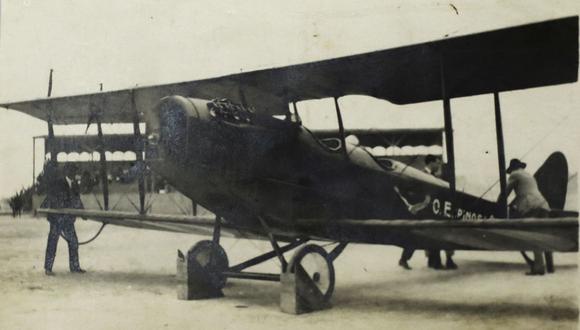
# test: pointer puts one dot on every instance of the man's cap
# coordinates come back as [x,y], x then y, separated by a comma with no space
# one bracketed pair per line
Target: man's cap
[515,164]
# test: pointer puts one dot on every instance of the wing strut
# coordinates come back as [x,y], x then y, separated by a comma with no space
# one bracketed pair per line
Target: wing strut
[448,136]
[49,121]
[500,157]
[217,230]
[139,153]
[103,162]
[101,148]
[340,126]
[34,164]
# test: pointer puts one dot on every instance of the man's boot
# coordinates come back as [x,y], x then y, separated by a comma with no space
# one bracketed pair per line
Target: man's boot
[450,264]
[538,267]
[549,262]
[404,264]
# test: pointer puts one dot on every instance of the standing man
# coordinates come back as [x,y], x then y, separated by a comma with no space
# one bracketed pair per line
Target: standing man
[413,208]
[62,192]
[528,202]
[434,166]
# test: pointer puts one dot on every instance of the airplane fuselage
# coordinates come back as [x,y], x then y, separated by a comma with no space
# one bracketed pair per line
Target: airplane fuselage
[240,166]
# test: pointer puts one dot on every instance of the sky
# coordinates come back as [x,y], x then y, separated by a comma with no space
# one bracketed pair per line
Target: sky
[127,43]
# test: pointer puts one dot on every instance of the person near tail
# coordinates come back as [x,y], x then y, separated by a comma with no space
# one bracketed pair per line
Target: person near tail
[528,202]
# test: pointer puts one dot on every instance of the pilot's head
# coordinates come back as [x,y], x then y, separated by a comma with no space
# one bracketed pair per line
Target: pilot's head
[352,139]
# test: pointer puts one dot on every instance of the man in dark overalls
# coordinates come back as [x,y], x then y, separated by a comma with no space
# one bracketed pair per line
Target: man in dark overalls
[62,192]
[433,166]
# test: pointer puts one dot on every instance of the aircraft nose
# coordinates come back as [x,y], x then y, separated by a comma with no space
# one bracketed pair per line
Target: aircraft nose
[176,115]
[172,125]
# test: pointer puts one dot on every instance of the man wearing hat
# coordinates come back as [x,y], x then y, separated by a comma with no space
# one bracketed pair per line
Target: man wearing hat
[528,202]
[62,192]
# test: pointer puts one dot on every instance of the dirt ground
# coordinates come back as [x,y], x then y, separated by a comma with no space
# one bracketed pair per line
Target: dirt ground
[130,284]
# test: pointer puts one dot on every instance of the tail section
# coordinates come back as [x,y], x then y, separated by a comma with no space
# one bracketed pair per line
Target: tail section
[552,178]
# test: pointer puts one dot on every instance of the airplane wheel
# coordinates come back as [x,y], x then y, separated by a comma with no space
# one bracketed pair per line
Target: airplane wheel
[213,258]
[315,262]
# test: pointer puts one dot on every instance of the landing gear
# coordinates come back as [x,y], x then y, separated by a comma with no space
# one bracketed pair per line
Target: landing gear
[213,260]
[201,274]
[313,261]
[308,283]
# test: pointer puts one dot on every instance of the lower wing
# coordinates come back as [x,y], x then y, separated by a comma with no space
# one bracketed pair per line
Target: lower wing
[549,234]
[200,225]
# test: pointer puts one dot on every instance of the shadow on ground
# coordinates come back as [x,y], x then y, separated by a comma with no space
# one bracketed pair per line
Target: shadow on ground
[377,298]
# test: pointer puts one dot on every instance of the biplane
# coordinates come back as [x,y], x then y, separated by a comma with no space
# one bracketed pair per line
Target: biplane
[236,146]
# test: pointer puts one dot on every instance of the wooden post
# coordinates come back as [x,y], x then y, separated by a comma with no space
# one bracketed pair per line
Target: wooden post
[500,157]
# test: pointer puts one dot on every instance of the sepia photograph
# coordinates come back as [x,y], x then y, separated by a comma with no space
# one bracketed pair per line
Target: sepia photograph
[289,164]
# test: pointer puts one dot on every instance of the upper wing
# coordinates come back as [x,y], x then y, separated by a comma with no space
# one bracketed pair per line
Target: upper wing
[532,55]
[172,223]
[555,234]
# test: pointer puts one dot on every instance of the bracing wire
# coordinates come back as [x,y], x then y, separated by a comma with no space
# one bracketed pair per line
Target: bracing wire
[534,146]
